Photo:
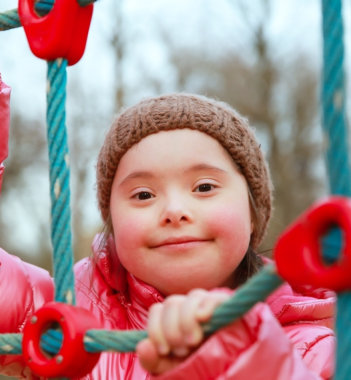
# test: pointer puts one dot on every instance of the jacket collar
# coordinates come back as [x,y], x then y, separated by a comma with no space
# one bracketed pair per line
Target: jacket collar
[118,278]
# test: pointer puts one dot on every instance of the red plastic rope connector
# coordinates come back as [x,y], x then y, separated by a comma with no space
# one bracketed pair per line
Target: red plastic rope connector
[72,360]
[298,251]
[62,33]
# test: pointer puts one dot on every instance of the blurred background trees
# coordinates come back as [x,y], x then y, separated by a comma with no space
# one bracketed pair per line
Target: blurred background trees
[241,62]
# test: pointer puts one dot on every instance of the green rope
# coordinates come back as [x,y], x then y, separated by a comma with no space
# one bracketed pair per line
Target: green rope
[10,344]
[333,100]
[337,161]
[254,290]
[10,19]
[342,329]
[59,182]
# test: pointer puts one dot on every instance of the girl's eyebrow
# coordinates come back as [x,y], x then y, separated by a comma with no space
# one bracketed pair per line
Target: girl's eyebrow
[137,174]
[203,166]
[193,168]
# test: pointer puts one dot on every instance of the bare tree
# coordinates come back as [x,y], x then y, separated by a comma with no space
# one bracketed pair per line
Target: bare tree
[279,97]
[117,40]
[86,132]
[27,160]
[277,94]
[28,156]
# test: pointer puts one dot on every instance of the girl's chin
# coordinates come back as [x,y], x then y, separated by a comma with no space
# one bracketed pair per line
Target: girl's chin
[182,287]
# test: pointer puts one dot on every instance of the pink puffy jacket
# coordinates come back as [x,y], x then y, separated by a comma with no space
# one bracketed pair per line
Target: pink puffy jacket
[287,338]
[4,124]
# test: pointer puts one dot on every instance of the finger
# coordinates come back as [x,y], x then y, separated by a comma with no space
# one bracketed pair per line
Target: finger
[209,304]
[189,322]
[170,321]
[151,361]
[181,352]
[148,356]
[155,331]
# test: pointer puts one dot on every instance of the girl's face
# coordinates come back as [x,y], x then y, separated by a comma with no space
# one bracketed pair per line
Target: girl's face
[180,212]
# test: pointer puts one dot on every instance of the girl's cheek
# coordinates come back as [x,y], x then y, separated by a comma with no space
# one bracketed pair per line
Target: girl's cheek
[233,227]
[130,231]
[226,218]
[127,237]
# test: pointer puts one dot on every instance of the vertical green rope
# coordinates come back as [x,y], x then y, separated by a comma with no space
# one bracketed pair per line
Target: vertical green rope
[333,100]
[59,182]
[337,160]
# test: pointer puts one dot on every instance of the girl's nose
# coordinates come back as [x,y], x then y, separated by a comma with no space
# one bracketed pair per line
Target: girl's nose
[175,213]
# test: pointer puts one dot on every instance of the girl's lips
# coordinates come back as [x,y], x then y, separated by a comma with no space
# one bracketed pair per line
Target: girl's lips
[181,242]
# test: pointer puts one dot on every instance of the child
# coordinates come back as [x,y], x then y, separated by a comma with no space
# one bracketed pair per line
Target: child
[185,194]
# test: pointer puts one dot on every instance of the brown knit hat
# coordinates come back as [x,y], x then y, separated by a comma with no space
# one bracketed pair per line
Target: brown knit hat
[175,111]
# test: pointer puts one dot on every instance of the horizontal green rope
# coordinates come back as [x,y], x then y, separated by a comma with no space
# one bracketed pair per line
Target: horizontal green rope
[10,19]
[10,344]
[254,290]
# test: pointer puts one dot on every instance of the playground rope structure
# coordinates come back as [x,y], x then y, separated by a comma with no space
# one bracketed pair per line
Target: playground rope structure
[259,286]
[337,159]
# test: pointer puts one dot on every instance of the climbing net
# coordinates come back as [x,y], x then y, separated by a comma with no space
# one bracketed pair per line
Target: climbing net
[93,340]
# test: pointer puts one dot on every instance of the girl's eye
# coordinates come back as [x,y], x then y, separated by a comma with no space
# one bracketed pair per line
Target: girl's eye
[143,195]
[204,187]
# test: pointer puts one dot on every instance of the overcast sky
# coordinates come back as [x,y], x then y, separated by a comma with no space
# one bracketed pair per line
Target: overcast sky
[294,23]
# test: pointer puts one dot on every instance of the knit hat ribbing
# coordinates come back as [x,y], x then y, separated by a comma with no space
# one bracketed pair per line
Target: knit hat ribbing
[176,111]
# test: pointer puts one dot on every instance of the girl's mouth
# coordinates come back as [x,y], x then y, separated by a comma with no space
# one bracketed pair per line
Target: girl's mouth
[183,242]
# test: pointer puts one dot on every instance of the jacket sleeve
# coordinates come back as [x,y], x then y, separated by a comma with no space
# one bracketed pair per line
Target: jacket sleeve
[258,347]
[23,289]
[4,124]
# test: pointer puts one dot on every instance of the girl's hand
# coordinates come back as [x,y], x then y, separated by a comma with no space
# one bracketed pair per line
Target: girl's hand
[174,328]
